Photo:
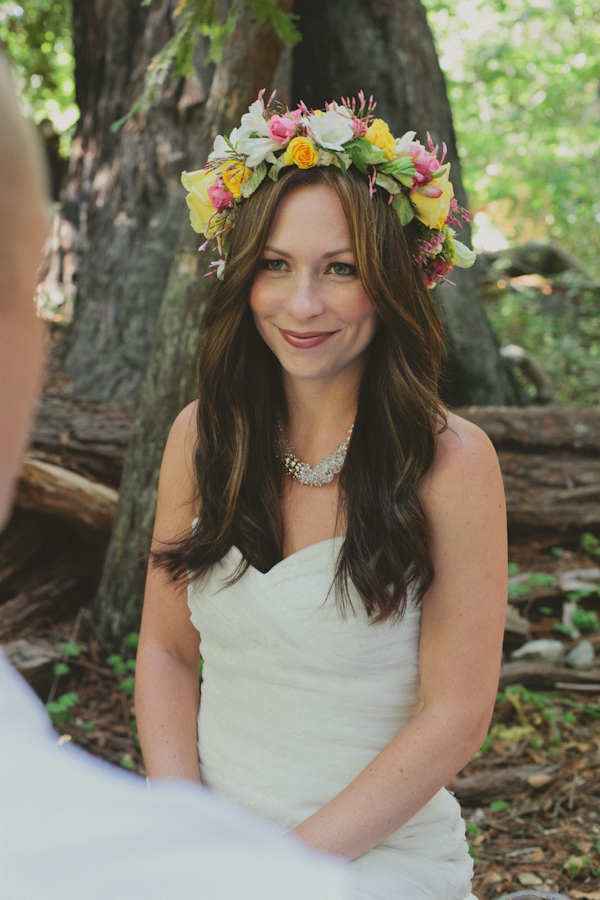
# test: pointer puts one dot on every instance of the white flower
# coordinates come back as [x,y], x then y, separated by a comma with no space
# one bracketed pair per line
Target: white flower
[254,122]
[331,130]
[257,149]
[342,110]
[464,257]
[221,148]
[403,143]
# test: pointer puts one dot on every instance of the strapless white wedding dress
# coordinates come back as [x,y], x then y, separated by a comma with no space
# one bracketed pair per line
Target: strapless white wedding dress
[297,700]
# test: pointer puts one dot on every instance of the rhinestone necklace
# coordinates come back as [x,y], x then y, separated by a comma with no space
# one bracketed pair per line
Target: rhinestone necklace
[318,475]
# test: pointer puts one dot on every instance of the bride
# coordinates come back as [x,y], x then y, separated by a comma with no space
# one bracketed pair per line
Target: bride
[335,536]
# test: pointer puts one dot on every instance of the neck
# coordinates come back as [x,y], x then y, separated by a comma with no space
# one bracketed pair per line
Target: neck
[321,411]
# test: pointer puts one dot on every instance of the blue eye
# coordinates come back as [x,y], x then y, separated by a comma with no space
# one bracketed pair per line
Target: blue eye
[341,268]
[273,265]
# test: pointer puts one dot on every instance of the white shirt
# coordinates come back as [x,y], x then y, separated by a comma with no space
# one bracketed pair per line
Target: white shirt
[75,828]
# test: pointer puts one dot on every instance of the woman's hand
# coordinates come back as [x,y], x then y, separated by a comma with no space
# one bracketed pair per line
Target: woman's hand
[460,652]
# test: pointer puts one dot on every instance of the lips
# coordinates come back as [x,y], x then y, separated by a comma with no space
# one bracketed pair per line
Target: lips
[305,340]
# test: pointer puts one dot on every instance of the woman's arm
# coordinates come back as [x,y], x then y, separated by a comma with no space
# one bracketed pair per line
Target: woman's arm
[166,683]
[460,652]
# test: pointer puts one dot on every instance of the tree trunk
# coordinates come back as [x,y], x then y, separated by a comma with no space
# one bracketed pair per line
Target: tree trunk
[386,49]
[248,63]
[123,201]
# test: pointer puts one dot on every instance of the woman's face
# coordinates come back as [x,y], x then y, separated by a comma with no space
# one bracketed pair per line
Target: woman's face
[308,303]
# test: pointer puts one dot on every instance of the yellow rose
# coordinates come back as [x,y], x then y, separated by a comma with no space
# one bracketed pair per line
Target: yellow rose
[234,175]
[380,136]
[433,211]
[201,209]
[301,152]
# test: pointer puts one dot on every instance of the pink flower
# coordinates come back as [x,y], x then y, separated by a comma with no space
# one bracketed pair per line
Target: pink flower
[219,196]
[282,128]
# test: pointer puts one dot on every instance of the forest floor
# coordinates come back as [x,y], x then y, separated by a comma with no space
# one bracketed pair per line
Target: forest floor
[547,837]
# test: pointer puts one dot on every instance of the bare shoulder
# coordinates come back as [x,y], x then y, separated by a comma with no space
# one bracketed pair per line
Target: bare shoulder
[464,458]
[177,487]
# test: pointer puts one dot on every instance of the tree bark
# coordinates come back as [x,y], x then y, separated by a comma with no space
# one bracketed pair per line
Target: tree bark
[121,213]
[386,49]
[248,63]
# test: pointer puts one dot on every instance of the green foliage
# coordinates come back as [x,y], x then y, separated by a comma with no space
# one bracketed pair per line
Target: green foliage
[590,544]
[60,710]
[37,39]
[132,640]
[523,82]
[517,590]
[585,620]
[473,829]
[561,629]
[117,664]
[127,685]
[200,17]
[70,648]
[558,551]
[499,805]
[513,569]
[546,610]
[127,762]
[61,669]
[542,578]
[563,338]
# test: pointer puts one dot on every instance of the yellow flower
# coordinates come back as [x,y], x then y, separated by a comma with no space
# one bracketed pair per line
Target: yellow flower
[234,175]
[433,211]
[301,152]
[380,136]
[201,209]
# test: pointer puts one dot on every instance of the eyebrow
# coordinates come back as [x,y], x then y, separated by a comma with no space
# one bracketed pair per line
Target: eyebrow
[325,255]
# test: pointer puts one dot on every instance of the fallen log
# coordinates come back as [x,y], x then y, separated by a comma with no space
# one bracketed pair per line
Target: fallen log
[25,606]
[56,491]
[86,436]
[538,428]
[543,677]
[549,456]
[498,784]
[550,462]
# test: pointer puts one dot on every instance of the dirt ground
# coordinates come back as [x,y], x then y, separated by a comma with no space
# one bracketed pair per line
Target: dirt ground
[546,837]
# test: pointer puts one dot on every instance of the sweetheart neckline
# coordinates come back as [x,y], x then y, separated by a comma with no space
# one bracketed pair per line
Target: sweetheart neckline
[296,553]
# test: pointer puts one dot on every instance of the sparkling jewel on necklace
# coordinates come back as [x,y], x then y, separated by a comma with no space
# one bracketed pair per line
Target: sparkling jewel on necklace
[318,475]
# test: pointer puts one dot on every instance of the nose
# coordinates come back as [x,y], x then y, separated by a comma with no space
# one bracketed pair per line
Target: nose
[305,298]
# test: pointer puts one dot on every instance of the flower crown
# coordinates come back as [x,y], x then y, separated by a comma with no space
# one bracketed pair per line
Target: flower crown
[344,134]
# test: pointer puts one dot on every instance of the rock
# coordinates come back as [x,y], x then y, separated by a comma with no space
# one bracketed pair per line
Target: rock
[528,878]
[35,660]
[579,580]
[567,619]
[543,650]
[515,623]
[581,656]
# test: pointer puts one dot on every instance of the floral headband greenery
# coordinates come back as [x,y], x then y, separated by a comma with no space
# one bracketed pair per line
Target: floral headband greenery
[344,134]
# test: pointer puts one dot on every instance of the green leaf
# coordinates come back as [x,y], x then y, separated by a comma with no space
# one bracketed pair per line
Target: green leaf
[558,551]
[542,578]
[562,629]
[250,184]
[517,590]
[61,669]
[390,184]
[70,649]
[127,762]
[132,640]
[499,805]
[473,829]
[403,207]
[545,610]
[130,664]
[513,569]
[277,167]
[127,685]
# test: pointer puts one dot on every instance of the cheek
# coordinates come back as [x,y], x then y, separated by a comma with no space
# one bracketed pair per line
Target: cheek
[358,310]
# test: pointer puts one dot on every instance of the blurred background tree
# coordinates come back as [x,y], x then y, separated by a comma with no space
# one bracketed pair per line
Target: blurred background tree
[524,83]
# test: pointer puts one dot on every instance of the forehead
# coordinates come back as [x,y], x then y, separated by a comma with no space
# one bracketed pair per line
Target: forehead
[310,216]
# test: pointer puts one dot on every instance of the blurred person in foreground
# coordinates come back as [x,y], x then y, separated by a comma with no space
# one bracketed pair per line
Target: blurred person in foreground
[72,826]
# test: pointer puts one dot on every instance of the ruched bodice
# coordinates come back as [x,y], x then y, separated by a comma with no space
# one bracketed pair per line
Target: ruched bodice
[297,698]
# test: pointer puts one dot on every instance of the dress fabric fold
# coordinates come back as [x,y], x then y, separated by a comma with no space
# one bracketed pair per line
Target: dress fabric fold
[298,697]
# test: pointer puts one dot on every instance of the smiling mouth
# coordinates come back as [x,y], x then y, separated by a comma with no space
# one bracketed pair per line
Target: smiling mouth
[306,339]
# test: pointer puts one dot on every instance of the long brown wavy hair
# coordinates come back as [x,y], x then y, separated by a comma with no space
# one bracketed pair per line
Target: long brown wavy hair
[386,553]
